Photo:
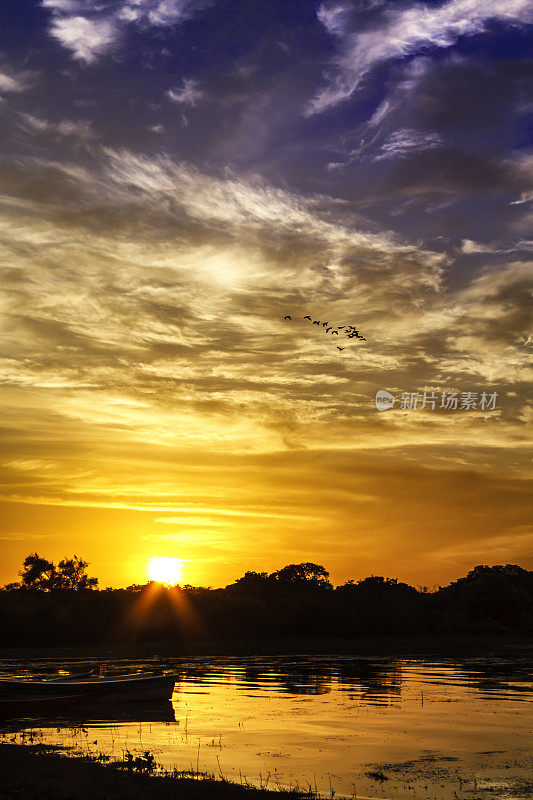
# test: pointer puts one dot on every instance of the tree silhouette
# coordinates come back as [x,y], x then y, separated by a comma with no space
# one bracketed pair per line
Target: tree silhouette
[71,574]
[252,583]
[39,574]
[306,574]
[51,604]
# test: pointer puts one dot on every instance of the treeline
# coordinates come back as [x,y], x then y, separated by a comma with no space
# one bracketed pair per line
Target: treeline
[60,605]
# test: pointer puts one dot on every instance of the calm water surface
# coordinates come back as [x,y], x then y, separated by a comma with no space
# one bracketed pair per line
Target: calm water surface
[433,729]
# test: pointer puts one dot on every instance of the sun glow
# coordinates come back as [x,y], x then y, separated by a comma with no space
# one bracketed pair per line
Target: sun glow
[165,570]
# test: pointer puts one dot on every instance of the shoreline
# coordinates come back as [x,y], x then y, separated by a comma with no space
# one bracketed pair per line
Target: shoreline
[37,772]
[393,646]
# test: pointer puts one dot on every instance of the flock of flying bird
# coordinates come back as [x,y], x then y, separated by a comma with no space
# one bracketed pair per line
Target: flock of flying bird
[350,331]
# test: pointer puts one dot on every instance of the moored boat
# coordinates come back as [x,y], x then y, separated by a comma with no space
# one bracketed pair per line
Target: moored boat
[126,688]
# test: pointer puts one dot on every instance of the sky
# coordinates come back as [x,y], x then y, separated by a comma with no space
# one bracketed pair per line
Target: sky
[177,176]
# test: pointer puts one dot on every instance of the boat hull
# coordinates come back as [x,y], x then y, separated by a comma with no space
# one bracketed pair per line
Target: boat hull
[128,689]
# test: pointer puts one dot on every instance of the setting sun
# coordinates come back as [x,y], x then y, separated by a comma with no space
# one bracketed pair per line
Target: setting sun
[165,570]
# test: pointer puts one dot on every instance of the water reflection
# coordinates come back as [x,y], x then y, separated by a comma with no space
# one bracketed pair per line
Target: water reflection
[102,712]
[436,728]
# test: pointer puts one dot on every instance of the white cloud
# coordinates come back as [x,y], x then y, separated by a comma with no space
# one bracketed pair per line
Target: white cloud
[188,95]
[403,33]
[10,84]
[66,6]
[469,247]
[88,28]
[169,12]
[525,197]
[80,129]
[406,141]
[333,18]
[85,38]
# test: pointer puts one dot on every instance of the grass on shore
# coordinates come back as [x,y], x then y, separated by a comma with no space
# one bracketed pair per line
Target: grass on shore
[39,772]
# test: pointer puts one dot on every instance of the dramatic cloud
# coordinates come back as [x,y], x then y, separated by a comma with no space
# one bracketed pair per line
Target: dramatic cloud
[194,248]
[404,32]
[144,312]
[165,204]
[443,133]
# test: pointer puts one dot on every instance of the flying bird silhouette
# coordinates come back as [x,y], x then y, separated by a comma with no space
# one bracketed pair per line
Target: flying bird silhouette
[349,331]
